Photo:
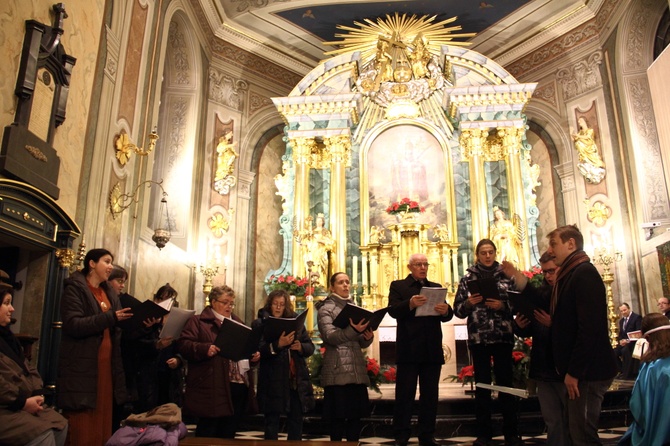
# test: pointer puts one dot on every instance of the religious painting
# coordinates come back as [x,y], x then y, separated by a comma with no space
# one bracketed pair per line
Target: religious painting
[664,264]
[406,161]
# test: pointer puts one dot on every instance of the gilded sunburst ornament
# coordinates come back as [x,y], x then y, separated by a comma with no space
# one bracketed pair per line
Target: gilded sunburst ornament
[219,223]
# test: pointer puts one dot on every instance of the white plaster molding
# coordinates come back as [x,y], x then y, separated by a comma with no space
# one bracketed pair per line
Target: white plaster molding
[244,180]
[583,76]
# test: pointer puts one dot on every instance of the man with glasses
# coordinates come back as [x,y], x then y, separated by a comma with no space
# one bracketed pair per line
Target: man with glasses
[549,383]
[664,306]
[418,352]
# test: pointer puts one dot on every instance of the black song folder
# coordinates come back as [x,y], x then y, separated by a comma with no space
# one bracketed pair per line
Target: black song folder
[273,327]
[357,314]
[236,340]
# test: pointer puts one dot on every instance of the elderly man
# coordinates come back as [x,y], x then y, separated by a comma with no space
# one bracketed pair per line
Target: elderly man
[664,306]
[418,352]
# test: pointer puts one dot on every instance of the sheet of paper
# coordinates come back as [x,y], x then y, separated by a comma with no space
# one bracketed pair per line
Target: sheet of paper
[435,296]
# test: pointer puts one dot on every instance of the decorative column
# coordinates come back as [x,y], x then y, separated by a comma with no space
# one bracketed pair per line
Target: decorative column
[302,149]
[472,142]
[339,148]
[511,140]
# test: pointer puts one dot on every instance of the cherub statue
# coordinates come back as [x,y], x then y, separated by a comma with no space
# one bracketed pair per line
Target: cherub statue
[226,156]
[377,234]
[507,236]
[383,64]
[441,232]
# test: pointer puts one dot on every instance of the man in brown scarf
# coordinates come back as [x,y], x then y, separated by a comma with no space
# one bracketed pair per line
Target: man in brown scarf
[580,343]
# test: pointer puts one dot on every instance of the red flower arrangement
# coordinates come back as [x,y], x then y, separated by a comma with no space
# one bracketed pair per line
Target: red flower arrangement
[466,375]
[295,286]
[404,205]
[535,276]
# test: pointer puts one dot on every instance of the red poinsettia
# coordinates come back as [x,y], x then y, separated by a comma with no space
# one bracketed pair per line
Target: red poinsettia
[390,375]
[404,205]
[518,356]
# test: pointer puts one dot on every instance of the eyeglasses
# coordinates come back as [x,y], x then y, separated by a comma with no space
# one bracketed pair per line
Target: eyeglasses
[549,271]
[226,303]
[421,264]
[120,280]
[279,304]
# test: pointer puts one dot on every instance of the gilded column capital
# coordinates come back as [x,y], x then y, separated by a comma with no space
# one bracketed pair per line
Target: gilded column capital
[339,148]
[472,141]
[302,149]
[511,139]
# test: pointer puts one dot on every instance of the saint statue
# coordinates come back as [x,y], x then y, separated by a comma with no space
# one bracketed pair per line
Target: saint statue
[317,243]
[590,164]
[507,236]
[226,156]
[383,63]
[420,57]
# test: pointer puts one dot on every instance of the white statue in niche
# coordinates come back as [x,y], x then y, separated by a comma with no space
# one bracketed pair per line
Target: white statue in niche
[590,165]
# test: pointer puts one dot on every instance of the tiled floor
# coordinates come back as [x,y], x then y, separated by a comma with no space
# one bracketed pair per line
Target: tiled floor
[608,437]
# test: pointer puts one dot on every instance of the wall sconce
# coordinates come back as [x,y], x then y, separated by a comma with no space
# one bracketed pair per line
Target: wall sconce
[119,202]
[125,147]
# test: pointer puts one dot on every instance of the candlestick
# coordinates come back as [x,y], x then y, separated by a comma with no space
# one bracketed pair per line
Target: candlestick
[373,270]
[364,269]
[354,271]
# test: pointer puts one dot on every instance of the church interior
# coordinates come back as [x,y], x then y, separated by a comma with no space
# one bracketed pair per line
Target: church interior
[210,142]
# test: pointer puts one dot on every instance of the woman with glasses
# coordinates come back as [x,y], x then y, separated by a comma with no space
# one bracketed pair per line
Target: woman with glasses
[344,376]
[490,334]
[649,400]
[218,390]
[284,386]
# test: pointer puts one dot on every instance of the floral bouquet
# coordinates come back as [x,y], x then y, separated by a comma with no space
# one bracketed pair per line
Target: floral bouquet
[535,276]
[404,206]
[374,374]
[295,286]
[466,375]
[521,356]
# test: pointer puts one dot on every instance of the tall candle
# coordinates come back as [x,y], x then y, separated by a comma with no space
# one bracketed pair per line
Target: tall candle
[465,264]
[373,270]
[364,269]
[354,270]
[454,262]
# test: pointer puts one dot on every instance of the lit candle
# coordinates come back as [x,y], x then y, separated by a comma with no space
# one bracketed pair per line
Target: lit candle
[465,264]
[354,270]
[364,269]
[454,262]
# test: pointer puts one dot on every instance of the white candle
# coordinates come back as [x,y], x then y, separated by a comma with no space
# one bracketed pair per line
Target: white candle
[373,270]
[454,262]
[465,264]
[354,270]
[364,268]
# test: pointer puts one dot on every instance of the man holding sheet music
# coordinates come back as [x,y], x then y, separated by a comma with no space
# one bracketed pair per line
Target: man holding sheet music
[419,352]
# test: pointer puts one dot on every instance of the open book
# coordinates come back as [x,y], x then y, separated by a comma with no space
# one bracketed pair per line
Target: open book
[488,288]
[357,314]
[435,296]
[273,327]
[236,340]
[174,323]
[148,310]
[522,304]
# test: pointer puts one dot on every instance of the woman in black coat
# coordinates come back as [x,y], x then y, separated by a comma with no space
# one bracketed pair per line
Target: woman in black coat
[284,386]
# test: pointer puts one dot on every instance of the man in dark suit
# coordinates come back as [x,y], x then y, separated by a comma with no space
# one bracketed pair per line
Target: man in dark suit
[579,335]
[418,352]
[664,306]
[629,321]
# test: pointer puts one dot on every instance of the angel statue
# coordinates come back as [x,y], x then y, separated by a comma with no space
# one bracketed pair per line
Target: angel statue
[508,237]
[226,156]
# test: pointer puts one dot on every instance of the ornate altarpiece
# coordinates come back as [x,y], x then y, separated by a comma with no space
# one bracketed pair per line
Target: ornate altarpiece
[451,137]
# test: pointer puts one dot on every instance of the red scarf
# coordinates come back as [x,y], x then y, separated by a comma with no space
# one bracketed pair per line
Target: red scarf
[575,259]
